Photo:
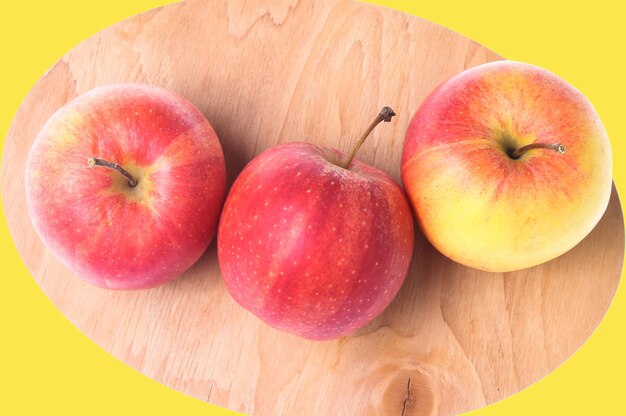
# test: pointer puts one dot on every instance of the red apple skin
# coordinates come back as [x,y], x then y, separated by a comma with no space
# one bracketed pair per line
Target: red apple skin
[310,247]
[106,232]
[489,211]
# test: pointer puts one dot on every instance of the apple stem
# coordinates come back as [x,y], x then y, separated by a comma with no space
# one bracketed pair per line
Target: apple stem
[94,161]
[557,147]
[385,115]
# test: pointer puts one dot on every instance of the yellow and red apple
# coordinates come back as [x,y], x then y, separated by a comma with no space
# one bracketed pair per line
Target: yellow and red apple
[125,185]
[506,166]
[312,244]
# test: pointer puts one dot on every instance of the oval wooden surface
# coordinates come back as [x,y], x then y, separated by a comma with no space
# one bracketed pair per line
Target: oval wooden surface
[269,72]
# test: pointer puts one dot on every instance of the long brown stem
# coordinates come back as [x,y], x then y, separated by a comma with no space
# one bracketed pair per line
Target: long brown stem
[94,161]
[557,147]
[385,115]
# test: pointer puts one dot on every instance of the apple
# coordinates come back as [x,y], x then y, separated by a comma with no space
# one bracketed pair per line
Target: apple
[125,185]
[506,166]
[313,243]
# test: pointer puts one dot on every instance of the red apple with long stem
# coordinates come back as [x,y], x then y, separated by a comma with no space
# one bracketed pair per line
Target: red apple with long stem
[125,185]
[507,166]
[312,242]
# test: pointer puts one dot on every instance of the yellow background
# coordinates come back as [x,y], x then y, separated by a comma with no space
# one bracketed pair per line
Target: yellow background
[48,367]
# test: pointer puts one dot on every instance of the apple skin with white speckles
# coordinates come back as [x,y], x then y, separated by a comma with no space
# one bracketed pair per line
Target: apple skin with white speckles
[107,232]
[310,247]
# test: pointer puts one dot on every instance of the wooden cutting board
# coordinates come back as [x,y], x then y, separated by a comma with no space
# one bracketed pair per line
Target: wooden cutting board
[264,73]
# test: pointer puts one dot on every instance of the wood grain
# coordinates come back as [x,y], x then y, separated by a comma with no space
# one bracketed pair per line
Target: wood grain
[269,72]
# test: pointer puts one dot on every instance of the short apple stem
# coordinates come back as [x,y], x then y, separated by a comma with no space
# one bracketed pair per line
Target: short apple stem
[557,147]
[94,161]
[385,115]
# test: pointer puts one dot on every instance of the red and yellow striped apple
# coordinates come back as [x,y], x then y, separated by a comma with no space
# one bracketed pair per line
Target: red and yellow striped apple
[312,244]
[125,185]
[507,166]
